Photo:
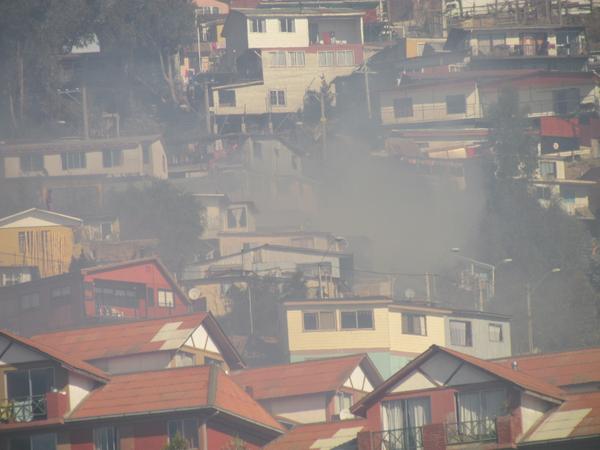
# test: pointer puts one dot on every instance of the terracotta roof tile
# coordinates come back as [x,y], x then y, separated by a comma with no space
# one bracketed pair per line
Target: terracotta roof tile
[172,389]
[307,377]
[318,436]
[560,369]
[67,360]
[124,338]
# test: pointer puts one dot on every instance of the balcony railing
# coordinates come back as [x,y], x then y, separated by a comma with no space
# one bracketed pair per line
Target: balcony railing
[400,439]
[474,431]
[23,409]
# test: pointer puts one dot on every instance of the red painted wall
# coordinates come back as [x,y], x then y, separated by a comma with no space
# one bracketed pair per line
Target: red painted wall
[218,440]
[82,439]
[151,435]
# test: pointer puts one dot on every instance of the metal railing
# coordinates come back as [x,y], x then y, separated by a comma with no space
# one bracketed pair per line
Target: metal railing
[400,439]
[473,431]
[23,409]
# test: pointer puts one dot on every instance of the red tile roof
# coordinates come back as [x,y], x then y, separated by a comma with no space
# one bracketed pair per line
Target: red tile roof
[306,377]
[318,436]
[518,378]
[144,336]
[66,360]
[560,369]
[164,391]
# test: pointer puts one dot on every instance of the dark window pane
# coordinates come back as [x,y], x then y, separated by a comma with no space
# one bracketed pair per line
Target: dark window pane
[310,321]
[348,319]
[364,319]
[19,443]
[18,384]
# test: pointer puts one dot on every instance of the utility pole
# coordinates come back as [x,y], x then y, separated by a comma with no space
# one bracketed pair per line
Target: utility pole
[250,308]
[207,109]
[529,319]
[323,126]
[84,106]
[368,92]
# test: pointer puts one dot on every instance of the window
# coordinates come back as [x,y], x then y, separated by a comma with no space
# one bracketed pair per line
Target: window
[112,158]
[73,160]
[408,415]
[403,107]
[326,58]
[237,218]
[146,154]
[343,402]
[480,406]
[257,25]
[414,324]
[29,301]
[344,58]
[150,297]
[321,320]
[226,97]
[566,100]
[31,163]
[460,333]
[287,25]
[187,429]
[165,298]
[257,150]
[297,59]
[357,320]
[60,293]
[495,332]
[183,359]
[35,442]
[548,169]
[213,362]
[277,58]
[207,10]
[117,293]
[105,438]
[26,390]
[456,104]
[277,98]
[22,242]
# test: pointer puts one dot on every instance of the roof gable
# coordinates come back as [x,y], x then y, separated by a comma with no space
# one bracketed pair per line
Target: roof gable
[441,367]
[319,436]
[35,217]
[198,330]
[16,350]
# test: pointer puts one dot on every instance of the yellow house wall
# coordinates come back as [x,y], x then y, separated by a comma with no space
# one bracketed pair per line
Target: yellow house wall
[300,340]
[410,343]
[52,257]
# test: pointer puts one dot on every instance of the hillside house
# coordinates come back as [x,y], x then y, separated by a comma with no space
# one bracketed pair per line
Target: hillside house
[121,291]
[391,333]
[54,401]
[40,239]
[311,391]
[179,341]
[282,53]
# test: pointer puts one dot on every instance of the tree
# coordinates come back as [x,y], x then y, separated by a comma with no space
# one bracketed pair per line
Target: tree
[513,147]
[163,212]
[177,443]
[235,444]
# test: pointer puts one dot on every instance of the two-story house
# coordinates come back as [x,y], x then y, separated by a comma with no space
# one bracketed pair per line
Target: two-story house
[128,290]
[320,390]
[178,341]
[50,400]
[391,333]
[39,239]
[282,53]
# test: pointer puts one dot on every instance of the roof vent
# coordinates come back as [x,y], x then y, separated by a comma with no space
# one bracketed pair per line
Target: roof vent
[515,365]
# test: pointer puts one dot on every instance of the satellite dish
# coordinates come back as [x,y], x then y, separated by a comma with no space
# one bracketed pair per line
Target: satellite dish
[194,293]
[345,414]
[409,293]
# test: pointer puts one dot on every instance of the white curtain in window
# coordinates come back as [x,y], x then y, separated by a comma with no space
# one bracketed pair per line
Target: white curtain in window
[393,415]
[458,333]
[469,407]
[417,412]
[420,325]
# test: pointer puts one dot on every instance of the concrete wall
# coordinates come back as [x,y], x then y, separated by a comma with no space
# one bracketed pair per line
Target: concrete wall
[274,37]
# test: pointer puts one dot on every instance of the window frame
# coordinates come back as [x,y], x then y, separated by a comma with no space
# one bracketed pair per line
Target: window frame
[257,25]
[342,60]
[451,109]
[73,160]
[279,94]
[326,54]
[31,163]
[408,319]
[318,321]
[114,438]
[500,334]
[287,21]
[112,158]
[30,439]
[356,314]
[402,110]
[278,58]
[165,302]
[468,333]
[294,59]
[223,102]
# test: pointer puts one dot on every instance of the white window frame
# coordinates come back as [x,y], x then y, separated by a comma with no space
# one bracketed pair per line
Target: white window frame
[284,25]
[257,25]
[278,58]
[344,58]
[278,93]
[165,298]
[297,58]
[493,336]
[326,58]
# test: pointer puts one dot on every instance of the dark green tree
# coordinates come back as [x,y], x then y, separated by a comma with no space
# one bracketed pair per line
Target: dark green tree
[177,443]
[162,212]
